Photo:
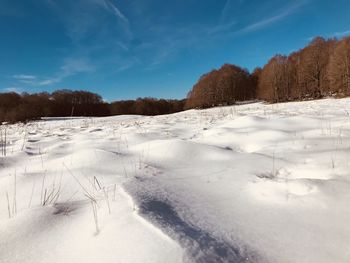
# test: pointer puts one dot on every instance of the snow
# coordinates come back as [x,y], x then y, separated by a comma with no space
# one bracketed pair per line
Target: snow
[246,183]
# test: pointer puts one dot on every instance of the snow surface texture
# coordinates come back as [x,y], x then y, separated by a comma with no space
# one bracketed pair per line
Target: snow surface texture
[249,183]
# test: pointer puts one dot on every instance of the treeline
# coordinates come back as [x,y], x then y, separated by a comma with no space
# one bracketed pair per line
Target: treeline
[22,107]
[146,106]
[320,69]
[66,103]
[222,87]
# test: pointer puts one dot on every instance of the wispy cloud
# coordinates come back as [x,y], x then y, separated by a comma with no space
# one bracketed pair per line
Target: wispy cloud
[13,89]
[341,34]
[24,77]
[71,67]
[220,29]
[97,28]
[338,34]
[86,18]
[169,41]
[11,9]
[125,65]
[113,7]
[224,11]
[287,11]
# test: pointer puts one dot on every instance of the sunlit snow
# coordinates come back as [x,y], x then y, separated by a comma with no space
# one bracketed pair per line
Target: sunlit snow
[248,183]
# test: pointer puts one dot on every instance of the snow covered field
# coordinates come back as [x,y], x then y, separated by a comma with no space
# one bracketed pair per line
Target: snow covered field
[249,183]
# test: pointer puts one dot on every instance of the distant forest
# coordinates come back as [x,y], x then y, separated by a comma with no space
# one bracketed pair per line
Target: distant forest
[66,103]
[319,70]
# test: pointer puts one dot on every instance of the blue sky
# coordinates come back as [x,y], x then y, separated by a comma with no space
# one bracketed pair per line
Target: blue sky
[124,49]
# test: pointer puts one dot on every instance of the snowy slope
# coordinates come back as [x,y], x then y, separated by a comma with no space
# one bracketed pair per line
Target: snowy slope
[249,183]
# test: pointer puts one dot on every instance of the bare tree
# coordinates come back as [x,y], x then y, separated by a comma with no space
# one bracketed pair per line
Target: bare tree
[273,82]
[339,68]
[313,67]
[222,87]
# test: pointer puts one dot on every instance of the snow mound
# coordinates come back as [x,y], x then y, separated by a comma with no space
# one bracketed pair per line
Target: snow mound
[248,183]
